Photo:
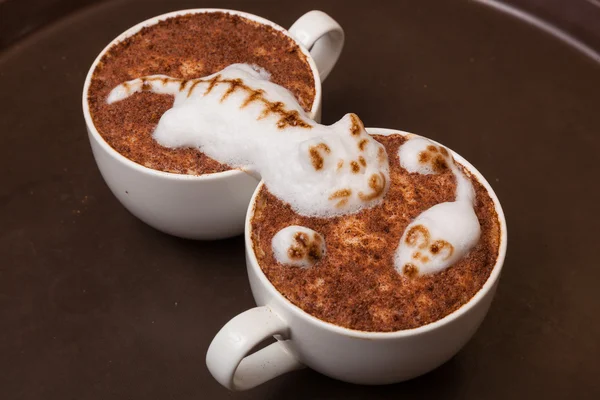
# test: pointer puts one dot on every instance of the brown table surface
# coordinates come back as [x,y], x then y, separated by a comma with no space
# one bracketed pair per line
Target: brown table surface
[96,305]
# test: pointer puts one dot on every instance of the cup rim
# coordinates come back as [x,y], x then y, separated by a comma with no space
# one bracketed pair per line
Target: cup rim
[93,131]
[354,333]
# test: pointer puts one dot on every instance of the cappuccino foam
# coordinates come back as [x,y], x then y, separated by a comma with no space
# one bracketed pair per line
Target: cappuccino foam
[444,233]
[240,118]
[298,246]
[437,238]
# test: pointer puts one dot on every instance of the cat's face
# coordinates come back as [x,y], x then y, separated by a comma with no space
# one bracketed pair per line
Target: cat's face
[354,165]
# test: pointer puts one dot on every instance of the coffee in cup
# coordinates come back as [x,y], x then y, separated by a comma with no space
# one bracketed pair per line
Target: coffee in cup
[372,343]
[194,200]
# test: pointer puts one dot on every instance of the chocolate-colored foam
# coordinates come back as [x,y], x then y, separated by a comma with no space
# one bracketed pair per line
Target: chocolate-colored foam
[356,285]
[186,47]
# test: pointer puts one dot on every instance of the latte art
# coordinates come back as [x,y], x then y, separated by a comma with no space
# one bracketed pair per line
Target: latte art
[444,233]
[298,246]
[437,238]
[240,118]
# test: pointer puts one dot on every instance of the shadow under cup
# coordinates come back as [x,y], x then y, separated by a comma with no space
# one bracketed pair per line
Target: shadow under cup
[341,353]
[211,206]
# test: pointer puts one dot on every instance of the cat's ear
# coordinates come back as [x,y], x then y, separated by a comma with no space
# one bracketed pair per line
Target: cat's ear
[351,124]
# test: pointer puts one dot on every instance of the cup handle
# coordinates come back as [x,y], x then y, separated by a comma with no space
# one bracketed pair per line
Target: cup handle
[322,36]
[227,358]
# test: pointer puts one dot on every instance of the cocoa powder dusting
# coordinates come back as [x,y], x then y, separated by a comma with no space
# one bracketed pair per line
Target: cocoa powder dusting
[186,47]
[356,285]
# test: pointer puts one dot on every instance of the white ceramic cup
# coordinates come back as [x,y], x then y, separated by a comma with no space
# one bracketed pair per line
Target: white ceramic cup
[370,358]
[211,206]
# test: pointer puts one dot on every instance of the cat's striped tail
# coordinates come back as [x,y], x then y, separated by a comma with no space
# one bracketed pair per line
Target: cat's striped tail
[160,84]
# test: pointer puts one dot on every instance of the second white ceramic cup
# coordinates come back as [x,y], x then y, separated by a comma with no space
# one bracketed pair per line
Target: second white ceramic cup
[211,206]
[370,358]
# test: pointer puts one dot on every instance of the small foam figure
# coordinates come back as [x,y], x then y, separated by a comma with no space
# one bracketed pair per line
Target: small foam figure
[298,246]
[444,233]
